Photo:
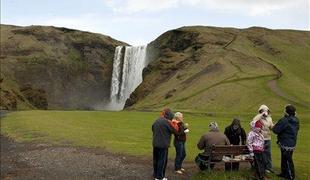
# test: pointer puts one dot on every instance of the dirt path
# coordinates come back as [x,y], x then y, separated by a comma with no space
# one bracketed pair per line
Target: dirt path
[272,84]
[42,161]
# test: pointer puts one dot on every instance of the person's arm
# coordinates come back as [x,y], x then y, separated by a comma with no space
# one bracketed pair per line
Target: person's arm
[153,127]
[250,142]
[278,128]
[271,123]
[227,141]
[243,136]
[181,128]
[226,131]
[201,143]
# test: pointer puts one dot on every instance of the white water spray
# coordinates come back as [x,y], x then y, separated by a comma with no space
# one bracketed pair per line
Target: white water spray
[127,74]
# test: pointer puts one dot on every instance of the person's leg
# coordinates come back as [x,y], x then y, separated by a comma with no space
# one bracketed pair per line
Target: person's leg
[228,166]
[283,163]
[235,166]
[201,162]
[161,163]
[259,165]
[166,161]
[183,153]
[155,161]
[290,165]
[178,156]
[267,155]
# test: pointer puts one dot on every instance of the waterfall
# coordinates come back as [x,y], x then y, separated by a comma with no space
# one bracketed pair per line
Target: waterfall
[127,74]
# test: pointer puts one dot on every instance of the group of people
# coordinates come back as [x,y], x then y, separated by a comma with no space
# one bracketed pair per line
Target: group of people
[258,141]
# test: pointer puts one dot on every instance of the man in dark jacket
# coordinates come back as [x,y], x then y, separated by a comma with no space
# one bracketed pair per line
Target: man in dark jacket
[235,133]
[287,130]
[162,130]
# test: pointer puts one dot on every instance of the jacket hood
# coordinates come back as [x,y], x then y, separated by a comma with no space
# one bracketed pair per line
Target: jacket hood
[292,120]
[236,121]
[263,107]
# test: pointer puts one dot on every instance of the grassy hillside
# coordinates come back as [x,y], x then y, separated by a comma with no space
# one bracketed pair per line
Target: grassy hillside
[54,68]
[130,132]
[208,69]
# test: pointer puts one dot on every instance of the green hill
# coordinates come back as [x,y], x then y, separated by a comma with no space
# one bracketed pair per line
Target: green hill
[208,69]
[197,69]
[54,68]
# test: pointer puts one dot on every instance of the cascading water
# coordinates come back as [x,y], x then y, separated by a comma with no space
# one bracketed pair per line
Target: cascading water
[127,74]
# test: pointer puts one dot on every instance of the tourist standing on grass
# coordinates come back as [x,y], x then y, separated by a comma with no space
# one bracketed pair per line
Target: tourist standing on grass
[213,137]
[179,141]
[287,129]
[265,117]
[236,136]
[255,143]
[162,130]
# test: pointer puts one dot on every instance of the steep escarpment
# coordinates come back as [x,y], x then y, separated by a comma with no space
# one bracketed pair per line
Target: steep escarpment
[224,70]
[54,68]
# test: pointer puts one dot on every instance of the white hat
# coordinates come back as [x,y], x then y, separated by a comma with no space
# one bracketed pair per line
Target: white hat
[213,126]
[263,107]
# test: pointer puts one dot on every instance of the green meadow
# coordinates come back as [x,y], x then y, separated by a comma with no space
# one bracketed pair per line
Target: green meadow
[129,132]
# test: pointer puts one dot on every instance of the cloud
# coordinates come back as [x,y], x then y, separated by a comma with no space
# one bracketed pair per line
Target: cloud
[248,7]
[133,6]
[130,29]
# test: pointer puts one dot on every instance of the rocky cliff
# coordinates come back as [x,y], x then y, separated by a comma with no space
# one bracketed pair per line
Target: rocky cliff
[54,68]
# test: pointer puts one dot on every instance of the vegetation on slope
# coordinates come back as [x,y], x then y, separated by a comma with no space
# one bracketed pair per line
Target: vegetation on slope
[225,70]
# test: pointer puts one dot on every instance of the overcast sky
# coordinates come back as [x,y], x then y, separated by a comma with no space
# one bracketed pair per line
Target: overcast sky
[138,22]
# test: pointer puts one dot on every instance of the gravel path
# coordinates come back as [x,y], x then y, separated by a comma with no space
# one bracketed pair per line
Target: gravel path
[42,161]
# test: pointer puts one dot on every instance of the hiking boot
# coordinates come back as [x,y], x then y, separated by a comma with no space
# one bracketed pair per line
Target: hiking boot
[179,172]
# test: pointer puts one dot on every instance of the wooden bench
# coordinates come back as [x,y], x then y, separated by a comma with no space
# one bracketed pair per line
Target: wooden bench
[230,151]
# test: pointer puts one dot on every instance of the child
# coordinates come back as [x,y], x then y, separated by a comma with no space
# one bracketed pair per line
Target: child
[255,143]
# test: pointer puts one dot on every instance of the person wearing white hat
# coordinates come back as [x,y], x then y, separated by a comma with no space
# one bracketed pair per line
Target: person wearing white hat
[265,117]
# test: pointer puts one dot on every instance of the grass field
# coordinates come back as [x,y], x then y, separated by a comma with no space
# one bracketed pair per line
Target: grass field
[129,132]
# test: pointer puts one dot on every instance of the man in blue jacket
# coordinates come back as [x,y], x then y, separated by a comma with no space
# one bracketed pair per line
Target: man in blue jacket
[287,130]
[162,131]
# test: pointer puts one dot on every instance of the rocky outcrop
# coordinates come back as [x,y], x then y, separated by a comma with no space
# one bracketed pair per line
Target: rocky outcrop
[55,68]
[174,51]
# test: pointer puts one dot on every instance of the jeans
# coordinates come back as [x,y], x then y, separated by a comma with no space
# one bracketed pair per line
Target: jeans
[259,165]
[267,155]
[202,162]
[160,158]
[287,164]
[180,154]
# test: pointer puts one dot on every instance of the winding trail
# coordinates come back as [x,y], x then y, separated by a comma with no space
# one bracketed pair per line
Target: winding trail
[272,84]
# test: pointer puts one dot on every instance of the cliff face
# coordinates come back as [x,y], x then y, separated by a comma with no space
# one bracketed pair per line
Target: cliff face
[224,70]
[55,68]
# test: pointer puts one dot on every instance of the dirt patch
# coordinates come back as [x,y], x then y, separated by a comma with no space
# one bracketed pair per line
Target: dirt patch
[43,161]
